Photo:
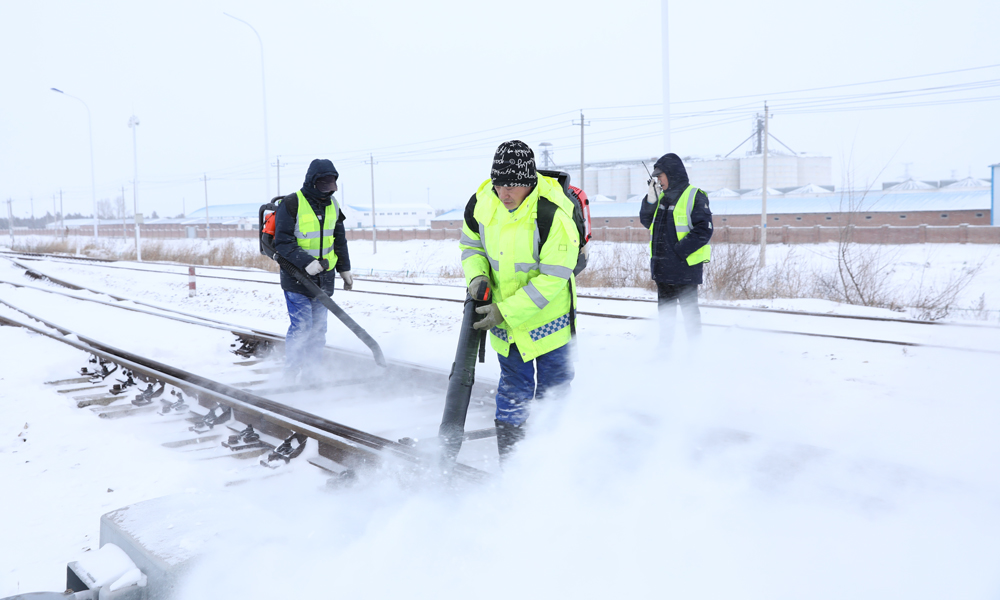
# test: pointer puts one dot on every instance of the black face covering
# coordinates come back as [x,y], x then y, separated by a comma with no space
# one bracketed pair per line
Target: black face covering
[326,184]
[319,169]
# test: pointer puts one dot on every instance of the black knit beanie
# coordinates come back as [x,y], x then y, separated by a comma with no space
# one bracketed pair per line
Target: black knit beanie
[514,165]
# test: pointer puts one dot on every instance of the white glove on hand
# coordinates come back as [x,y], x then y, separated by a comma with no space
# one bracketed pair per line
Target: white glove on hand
[493,317]
[314,268]
[474,284]
[651,195]
[348,280]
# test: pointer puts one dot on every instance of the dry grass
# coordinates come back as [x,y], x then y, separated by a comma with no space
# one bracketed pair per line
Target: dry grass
[451,272]
[221,253]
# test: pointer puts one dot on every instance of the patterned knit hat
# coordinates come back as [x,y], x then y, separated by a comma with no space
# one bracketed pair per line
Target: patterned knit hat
[514,165]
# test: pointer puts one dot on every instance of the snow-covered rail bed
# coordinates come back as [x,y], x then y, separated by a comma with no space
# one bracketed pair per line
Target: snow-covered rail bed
[403,401]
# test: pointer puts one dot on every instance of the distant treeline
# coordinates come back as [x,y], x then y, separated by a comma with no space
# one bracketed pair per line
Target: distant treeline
[38,222]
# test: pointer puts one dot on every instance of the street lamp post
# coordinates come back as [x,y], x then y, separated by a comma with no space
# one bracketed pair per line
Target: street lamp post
[263,88]
[90,131]
[133,123]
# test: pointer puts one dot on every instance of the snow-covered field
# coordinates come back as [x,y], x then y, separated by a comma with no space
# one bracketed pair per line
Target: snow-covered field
[754,466]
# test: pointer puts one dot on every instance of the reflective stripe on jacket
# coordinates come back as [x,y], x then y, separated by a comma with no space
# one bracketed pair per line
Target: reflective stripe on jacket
[316,242]
[531,285]
[682,222]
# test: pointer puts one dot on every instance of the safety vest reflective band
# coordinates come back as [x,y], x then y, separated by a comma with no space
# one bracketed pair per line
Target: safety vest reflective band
[682,222]
[317,243]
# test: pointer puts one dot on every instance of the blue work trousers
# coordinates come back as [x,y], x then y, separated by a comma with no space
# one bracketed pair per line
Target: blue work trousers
[306,334]
[517,381]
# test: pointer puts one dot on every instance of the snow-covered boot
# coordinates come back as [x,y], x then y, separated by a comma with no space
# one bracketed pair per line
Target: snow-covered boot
[508,435]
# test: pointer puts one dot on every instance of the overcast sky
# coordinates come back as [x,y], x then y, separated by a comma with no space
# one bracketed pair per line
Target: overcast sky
[394,78]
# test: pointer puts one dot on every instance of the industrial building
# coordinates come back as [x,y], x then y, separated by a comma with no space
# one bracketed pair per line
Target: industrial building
[961,202]
[621,181]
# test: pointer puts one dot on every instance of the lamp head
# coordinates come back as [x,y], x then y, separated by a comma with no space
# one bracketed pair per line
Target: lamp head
[57,90]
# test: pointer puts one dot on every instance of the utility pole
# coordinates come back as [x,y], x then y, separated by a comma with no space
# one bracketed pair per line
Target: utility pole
[133,123]
[277,163]
[10,221]
[32,213]
[54,221]
[371,161]
[582,125]
[763,199]
[263,94]
[124,221]
[62,216]
[665,53]
[90,133]
[183,207]
[208,224]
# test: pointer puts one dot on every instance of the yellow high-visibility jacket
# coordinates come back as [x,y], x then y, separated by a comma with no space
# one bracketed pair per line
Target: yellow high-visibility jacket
[316,241]
[533,286]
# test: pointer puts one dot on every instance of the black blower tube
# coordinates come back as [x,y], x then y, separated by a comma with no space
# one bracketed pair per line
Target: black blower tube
[268,250]
[463,375]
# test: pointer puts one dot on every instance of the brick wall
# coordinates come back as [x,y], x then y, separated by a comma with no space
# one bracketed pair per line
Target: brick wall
[783,234]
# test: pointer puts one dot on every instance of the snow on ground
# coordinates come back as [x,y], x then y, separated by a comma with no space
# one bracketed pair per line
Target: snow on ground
[753,466]
[912,266]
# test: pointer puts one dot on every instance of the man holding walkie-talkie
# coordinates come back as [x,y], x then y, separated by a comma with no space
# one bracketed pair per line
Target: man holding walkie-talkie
[680,226]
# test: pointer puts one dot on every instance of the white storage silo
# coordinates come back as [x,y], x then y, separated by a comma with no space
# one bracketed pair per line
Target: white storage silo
[621,182]
[604,185]
[590,181]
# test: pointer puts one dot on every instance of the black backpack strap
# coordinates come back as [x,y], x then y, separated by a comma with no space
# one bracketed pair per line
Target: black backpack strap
[546,214]
[470,210]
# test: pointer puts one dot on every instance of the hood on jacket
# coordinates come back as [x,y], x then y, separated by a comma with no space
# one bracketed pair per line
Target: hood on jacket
[318,168]
[672,165]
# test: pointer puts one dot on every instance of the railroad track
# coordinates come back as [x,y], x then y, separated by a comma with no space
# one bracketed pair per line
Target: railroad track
[808,322]
[114,264]
[232,408]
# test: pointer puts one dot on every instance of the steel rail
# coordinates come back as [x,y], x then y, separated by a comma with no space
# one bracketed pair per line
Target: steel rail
[284,416]
[587,296]
[237,330]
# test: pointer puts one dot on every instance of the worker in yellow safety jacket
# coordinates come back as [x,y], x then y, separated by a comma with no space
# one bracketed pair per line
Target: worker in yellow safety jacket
[530,274]
[680,226]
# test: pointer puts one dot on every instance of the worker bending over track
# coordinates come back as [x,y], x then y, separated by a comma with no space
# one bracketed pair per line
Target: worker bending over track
[530,274]
[309,233]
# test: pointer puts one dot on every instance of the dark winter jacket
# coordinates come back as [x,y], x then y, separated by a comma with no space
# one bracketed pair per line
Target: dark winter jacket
[286,244]
[668,263]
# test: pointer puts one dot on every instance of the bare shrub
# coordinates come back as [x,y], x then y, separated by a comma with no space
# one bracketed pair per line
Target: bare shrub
[861,275]
[930,303]
[735,274]
[617,265]
[863,271]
